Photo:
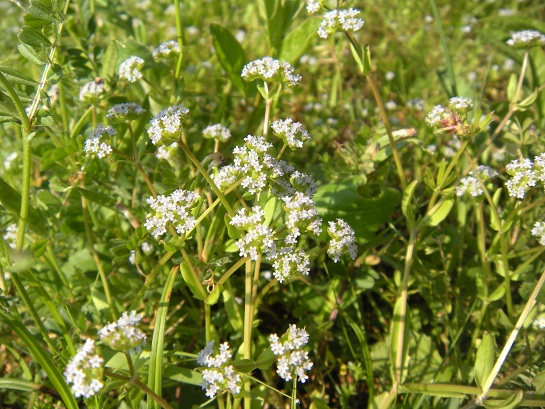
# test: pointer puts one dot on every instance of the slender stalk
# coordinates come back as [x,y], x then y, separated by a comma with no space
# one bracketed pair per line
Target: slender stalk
[151,278]
[248,306]
[268,102]
[179,37]
[294,393]
[207,322]
[140,386]
[505,351]
[207,177]
[233,268]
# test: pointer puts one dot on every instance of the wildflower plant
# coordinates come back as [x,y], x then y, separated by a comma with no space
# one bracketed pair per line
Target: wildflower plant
[124,192]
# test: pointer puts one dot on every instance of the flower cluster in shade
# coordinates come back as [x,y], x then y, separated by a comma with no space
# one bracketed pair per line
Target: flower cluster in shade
[526,39]
[525,174]
[130,69]
[451,119]
[174,209]
[293,361]
[217,132]
[125,112]
[84,372]
[340,20]
[292,133]
[92,91]
[10,234]
[97,144]
[166,50]
[270,70]
[165,128]
[218,377]
[539,323]
[538,231]
[124,335]
[470,184]
[343,240]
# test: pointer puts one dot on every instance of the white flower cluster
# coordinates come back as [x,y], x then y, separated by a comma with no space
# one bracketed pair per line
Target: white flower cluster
[342,241]
[335,20]
[526,39]
[523,177]
[130,68]
[124,335]
[258,238]
[219,377]
[292,133]
[125,112]
[313,6]
[94,144]
[91,91]
[451,119]
[539,323]
[293,360]
[166,152]
[436,115]
[85,371]
[539,231]
[166,50]
[166,126]
[217,132]
[268,69]
[289,261]
[461,104]
[470,184]
[174,209]
[301,215]
[10,234]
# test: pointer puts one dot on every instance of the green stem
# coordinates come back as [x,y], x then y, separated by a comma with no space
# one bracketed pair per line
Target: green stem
[495,370]
[268,102]
[179,36]
[233,268]
[207,177]
[294,393]
[248,306]
[140,386]
[207,322]
[151,278]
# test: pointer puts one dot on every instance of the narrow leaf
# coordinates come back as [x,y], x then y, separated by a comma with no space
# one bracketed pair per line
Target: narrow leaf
[32,37]
[41,356]
[484,361]
[194,286]
[406,206]
[438,213]
[30,54]
[155,374]
[16,77]
[509,403]
[230,55]
[41,11]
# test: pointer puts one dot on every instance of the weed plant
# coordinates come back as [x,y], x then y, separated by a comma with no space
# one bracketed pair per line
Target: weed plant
[272,204]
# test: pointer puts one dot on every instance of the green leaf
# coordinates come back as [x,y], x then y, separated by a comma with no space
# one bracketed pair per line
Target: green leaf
[20,385]
[7,105]
[214,296]
[362,56]
[155,373]
[11,200]
[33,38]
[16,77]
[269,210]
[233,310]
[194,286]
[296,41]
[109,61]
[182,375]
[511,88]
[484,361]
[41,356]
[97,197]
[437,213]
[539,382]
[406,205]
[41,11]
[30,54]
[275,17]
[526,102]
[231,56]
[395,330]
[364,214]
[509,403]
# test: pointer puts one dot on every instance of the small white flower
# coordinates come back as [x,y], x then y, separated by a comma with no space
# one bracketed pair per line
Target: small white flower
[389,76]
[166,50]
[10,234]
[85,371]
[124,335]
[268,69]
[539,231]
[125,112]
[313,6]
[436,115]
[95,145]
[461,104]
[292,133]
[174,209]
[292,359]
[219,377]
[523,178]
[288,261]
[526,39]
[92,91]
[166,126]
[336,20]
[130,68]
[217,132]
[342,241]
[259,238]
